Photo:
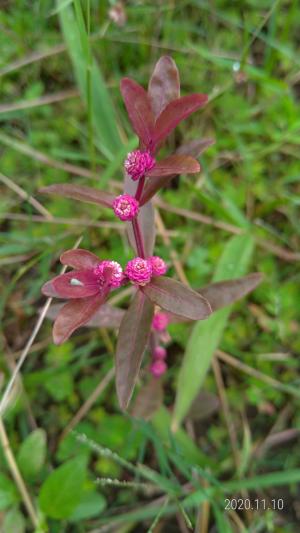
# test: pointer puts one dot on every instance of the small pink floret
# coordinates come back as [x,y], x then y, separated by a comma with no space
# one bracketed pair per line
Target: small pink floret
[160,321]
[117,275]
[139,271]
[158,368]
[160,352]
[159,267]
[125,207]
[138,163]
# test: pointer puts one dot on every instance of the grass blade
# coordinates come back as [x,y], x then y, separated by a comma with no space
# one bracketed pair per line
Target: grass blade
[206,335]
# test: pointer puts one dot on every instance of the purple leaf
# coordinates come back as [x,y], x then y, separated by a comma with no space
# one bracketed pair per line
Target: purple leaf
[225,292]
[194,148]
[164,84]
[73,315]
[79,259]
[74,284]
[148,400]
[106,317]
[176,298]
[175,164]
[78,192]
[139,111]
[175,112]
[132,341]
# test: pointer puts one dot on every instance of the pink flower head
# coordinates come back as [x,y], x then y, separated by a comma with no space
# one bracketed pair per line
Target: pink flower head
[86,288]
[160,352]
[159,267]
[125,207]
[116,273]
[139,271]
[160,321]
[138,163]
[158,368]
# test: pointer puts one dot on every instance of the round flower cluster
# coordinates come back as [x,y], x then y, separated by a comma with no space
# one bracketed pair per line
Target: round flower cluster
[117,273]
[137,163]
[140,271]
[159,366]
[125,207]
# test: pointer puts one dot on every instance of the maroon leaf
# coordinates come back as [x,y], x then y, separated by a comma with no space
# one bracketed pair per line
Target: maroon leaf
[81,193]
[148,400]
[225,293]
[175,164]
[175,112]
[74,284]
[79,258]
[145,219]
[194,148]
[132,341]
[177,298]
[164,84]
[139,110]
[73,315]
[106,317]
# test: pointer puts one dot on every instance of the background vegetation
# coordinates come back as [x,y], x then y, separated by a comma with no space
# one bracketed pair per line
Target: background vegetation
[85,466]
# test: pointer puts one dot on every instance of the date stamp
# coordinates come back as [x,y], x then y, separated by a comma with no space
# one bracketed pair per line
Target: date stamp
[257,504]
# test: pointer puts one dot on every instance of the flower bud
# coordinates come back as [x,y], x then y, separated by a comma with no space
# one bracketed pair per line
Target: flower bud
[139,271]
[158,368]
[159,267]
[117,273]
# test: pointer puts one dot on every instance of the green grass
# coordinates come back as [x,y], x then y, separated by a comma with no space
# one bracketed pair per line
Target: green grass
[113,468]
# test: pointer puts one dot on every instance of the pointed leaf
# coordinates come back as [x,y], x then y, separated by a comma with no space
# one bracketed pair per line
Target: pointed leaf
[79,259]
[139,110]
[132,341]
[194,148]
[73,315]
[74,284]
[32,453]
[164,84]
[226,292]
[148,400]
[175,112]
[175,297]
[106,317]
[81,193]
[175,164]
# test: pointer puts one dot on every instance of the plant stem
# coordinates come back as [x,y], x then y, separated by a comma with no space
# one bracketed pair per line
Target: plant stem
[135,223]
[140,188]
[138,238]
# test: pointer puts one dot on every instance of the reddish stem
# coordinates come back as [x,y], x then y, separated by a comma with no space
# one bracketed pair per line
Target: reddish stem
[135,223]
[140,187]
[138,238]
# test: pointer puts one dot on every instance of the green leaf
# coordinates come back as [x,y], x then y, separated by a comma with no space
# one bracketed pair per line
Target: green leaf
[8,492]
[206,335]
[14,522]
[91,505]
[62,491]
[32,453]
[102,110]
